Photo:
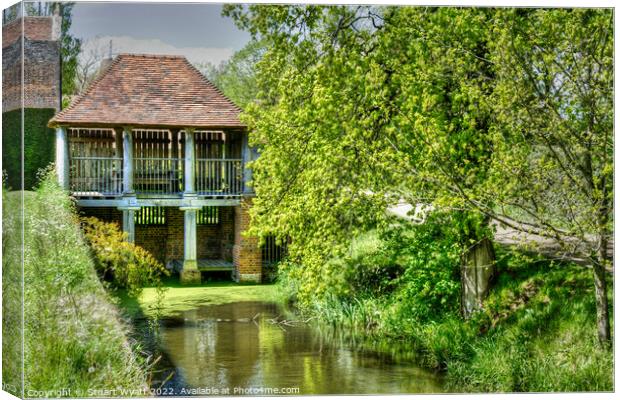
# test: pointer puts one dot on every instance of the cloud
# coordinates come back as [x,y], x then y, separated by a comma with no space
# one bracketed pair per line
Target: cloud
[127,44]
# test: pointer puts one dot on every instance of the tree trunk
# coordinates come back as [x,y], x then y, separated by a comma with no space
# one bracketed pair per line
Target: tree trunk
[477,270]
[600,293]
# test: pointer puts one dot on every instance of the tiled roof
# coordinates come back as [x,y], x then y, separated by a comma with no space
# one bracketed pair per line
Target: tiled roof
[151,91]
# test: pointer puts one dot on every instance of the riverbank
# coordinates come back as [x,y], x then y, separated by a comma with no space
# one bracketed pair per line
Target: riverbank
[537,332]
[75,342]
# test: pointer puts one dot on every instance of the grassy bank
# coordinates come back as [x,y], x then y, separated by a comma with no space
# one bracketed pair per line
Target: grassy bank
[537,331]
[74,339]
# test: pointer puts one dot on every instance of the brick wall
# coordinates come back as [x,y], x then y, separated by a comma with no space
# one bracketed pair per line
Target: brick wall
[174,237]
[246,252]
[35,28]
[41,64]
[165,242]
[211,240]
[153,238]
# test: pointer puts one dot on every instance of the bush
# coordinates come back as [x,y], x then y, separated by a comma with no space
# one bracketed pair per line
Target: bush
[123,264]
[371,269]
[429,288]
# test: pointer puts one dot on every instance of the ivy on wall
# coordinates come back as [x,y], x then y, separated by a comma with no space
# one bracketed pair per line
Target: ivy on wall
[38,145]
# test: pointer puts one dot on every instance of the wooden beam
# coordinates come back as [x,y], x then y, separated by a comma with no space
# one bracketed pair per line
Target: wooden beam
[178,202]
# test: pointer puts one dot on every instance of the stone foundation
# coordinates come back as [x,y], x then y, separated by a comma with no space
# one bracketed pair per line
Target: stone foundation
[190,276]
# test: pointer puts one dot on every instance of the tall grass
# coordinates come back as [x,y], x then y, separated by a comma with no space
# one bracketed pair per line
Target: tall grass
[75,343]
[12,293]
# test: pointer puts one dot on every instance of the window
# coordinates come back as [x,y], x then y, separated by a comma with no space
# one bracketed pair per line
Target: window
[208,216]
[150,216]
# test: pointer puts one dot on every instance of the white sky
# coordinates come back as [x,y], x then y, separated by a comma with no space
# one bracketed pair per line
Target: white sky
[197,31]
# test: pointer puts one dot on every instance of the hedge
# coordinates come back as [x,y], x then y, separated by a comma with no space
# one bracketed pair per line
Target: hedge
[38,145]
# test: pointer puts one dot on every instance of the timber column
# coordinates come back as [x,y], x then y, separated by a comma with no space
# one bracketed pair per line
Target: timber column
[129,225]
[128,162]
[62,157]
[130,207]
[190,162]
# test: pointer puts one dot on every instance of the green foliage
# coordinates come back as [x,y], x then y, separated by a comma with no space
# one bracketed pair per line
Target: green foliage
[416,267]
[536,332]
[541,336]
[370,269]
[73,336]
[429,289]
[124,264]
[236,78]
[495,113]
[38,148]
[70,47]
[553,130]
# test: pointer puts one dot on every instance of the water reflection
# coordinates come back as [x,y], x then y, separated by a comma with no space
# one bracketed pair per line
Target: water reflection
[236,346]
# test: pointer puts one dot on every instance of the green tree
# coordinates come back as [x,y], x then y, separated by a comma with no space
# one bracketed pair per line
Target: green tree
[554,133]
[499,115]
[321,170]
[236,78]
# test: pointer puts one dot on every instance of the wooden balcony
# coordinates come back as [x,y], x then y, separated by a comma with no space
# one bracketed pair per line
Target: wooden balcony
[108,163]
[96,176]
[158,175]
[219,177]
[103,177]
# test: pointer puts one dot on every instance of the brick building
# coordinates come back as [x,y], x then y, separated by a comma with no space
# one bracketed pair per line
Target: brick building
[31,95]
[157,148]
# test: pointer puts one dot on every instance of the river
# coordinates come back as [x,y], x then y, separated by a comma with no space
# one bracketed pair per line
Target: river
[254,348]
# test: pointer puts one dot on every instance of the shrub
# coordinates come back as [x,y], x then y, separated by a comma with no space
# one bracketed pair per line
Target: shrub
[123,264]
[429,253]
[372,268]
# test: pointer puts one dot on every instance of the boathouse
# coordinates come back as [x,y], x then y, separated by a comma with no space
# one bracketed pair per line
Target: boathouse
[156,147]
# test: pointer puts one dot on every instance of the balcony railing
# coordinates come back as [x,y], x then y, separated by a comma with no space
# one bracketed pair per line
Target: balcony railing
[103,176]
[96,176]
[219,177]
[158,175]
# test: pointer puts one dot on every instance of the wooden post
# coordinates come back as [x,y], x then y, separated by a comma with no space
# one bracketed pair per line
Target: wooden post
[127,161]
[190,162]
[62,157]
[129,225]
[246,155]
[118,164]
[477,271]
